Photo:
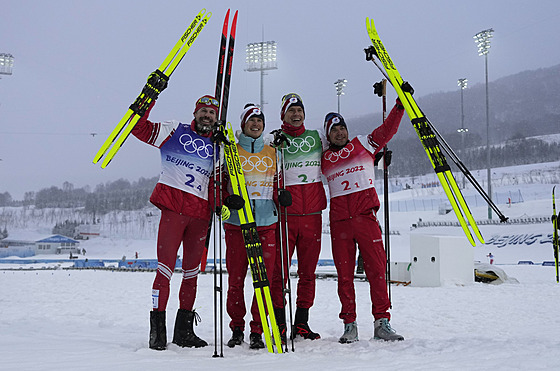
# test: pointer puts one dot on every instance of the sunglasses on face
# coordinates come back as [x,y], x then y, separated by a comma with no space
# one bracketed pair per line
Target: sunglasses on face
[208,101]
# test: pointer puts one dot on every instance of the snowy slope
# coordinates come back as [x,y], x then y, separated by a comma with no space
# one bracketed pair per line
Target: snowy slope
[87,319]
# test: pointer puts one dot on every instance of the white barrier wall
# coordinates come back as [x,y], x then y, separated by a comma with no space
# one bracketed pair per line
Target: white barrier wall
[440,260]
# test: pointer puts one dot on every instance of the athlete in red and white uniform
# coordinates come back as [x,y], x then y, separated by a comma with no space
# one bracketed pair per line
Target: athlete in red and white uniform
[302,170]
[182,195]
[348,167]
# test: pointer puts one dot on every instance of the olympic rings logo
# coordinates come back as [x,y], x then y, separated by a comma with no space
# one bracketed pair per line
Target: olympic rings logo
[301,144]
[342,154]
[197,145]
[261,164]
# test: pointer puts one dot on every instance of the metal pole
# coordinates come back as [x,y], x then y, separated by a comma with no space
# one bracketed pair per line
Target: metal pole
[463,133]
[262,89]
[338,104]
[488,173]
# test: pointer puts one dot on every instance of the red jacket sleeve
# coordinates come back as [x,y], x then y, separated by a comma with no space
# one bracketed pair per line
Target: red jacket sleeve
[145,130]
[383,134]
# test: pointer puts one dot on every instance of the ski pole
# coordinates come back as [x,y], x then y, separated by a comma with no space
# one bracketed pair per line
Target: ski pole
[219,136]
[284,249]
[279,142]
[555,241]
[380,89]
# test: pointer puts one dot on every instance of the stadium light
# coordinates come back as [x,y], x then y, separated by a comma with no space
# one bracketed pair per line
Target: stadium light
[340,84]
[6,64]
[261,57]
[482,40]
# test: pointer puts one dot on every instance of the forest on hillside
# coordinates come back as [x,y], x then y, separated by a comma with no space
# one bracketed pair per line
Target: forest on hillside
[408,159]
[524,113]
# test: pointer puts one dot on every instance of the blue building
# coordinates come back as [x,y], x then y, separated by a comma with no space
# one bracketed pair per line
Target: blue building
[57,244]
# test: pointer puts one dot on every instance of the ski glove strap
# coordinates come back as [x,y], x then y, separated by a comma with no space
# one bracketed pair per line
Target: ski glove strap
[407,88]
[225,213]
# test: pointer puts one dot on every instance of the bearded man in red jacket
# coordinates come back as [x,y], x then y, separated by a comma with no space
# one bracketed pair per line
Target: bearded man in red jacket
[182,194]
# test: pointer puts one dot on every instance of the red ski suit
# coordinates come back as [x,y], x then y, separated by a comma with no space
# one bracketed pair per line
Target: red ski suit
[184,219]
[353,217]
[304,217]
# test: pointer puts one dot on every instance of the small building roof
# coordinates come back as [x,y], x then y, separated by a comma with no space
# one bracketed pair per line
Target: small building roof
[57,238]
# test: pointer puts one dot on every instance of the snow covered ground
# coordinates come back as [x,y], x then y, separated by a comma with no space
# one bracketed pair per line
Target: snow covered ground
[67,319]
[92,320]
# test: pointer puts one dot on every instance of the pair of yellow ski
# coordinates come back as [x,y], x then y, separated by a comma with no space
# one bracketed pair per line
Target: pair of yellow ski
[157,82]
[427,137]
[252,243]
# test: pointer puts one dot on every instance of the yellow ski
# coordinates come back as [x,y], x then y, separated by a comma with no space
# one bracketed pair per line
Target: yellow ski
[427,137]
[157,82]
[252,243]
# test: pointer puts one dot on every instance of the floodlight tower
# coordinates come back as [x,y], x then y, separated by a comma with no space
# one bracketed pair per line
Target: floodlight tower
[261,57]
[340,84]
[482,40]
[6,63]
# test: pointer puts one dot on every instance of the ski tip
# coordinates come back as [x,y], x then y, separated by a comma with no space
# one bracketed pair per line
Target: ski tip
[470,237]
[234,24]
[226,21]
[481,239]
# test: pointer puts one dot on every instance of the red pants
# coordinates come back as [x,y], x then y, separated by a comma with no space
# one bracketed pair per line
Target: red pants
[237,264]
[363,230]
[173,229]
[304,234]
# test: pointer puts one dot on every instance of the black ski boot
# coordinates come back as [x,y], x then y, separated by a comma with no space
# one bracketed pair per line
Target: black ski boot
[280,315]
[255,341]
[301,327]
[158,331]
[236,337]
[183,334]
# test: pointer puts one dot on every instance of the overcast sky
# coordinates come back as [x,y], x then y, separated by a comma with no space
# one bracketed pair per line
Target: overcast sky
[80,64]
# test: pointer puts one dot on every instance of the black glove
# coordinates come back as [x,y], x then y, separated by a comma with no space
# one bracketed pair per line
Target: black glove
[378,88]
[379,155]
[158,81]
[370,52]
[218,134]
[284,197]
[234,202]
[279,138]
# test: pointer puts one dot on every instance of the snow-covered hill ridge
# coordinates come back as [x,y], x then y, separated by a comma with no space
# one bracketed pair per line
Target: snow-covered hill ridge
[525,182]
